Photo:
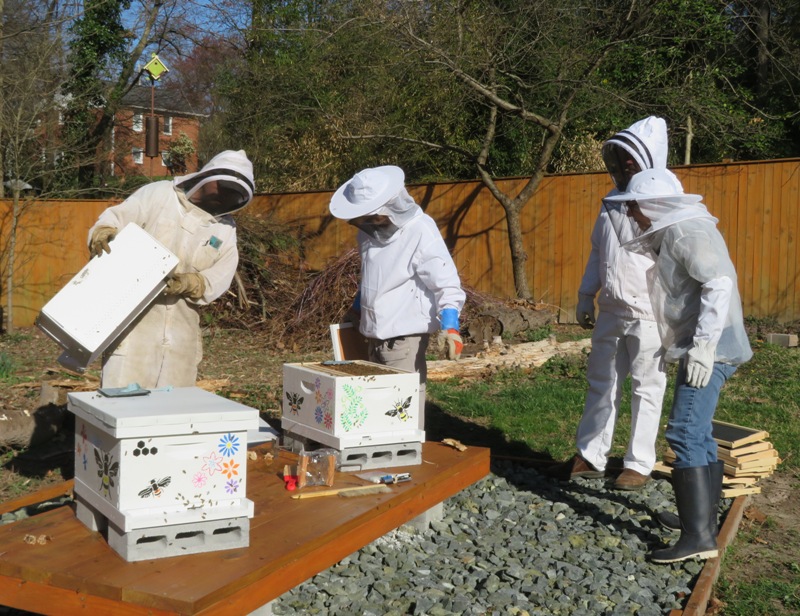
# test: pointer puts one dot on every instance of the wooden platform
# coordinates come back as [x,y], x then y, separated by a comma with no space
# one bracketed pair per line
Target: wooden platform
[74,571]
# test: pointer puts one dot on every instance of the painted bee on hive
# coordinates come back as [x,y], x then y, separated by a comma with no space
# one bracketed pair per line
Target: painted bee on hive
[155,487]
[295,402]
[400,409]
[106,471]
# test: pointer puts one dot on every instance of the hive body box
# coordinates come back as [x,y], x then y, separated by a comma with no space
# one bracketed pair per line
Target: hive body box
[170,457]
[102,299]
[342,411]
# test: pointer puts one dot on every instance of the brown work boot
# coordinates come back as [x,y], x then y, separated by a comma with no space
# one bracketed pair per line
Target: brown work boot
[629,479]
[576,466]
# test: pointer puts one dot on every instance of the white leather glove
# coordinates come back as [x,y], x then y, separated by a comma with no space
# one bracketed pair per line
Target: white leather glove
[584,313]
[700,364]
[100,239]
[192,286]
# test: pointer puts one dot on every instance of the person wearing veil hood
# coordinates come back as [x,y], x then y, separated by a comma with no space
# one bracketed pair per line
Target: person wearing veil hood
[625,337]
[694,292]
[190,216]
[409,287]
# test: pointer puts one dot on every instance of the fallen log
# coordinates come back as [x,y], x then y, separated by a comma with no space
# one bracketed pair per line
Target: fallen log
[499,320]
[519,356]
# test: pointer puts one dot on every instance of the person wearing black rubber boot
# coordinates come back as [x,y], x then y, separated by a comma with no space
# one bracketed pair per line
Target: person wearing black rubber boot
[696,301]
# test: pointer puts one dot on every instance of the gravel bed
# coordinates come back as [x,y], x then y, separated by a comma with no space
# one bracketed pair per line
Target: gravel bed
[515,543]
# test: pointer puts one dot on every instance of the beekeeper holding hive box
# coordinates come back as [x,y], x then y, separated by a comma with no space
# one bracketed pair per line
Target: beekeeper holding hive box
[190,216]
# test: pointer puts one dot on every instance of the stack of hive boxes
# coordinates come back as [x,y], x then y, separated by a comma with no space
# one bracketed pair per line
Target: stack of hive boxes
[369,412]
[747,454]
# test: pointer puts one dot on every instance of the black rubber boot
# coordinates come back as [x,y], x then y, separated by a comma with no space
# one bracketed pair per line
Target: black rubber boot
[670,520]
[695,503]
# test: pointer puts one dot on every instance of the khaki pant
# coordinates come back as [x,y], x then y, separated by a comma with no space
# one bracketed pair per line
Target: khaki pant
[405,353]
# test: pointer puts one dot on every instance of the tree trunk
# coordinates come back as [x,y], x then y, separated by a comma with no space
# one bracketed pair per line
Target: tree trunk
[519,257]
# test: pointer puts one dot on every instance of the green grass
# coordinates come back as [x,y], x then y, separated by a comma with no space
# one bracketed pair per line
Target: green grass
[762,597]
[542,407]
[7,366]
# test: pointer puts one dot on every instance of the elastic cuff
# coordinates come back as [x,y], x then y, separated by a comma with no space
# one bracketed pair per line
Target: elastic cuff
[449,319]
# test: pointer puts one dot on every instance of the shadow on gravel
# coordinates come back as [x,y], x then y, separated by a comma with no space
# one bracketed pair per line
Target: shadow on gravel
[509,457]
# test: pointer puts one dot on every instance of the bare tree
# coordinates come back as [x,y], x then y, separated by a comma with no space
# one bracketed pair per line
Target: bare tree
[30,109]
[536,68]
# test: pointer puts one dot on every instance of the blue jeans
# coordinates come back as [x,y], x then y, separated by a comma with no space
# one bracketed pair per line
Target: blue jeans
[689,427]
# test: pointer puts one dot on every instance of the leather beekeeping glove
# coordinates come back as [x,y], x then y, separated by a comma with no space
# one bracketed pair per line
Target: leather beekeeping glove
[700,364]
[450,334]
[192,286]
[100,239]
[454,343]
[584,313]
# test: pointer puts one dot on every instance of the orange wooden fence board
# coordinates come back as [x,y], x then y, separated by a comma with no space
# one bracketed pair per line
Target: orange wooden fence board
[756,203]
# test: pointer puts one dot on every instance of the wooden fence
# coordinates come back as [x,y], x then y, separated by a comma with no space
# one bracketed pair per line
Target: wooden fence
[756,203]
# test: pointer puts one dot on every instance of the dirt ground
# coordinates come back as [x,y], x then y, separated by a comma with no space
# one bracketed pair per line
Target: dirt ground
[768,542]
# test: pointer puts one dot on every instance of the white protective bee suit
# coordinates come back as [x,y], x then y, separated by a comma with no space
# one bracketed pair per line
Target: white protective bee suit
[409,286]
[163,346]
[694,291]
[625,338]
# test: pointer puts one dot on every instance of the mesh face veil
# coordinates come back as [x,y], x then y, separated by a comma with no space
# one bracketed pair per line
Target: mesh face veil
[621,165]
[654,200]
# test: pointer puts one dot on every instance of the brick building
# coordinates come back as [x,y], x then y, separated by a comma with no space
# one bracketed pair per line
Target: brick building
[176,118]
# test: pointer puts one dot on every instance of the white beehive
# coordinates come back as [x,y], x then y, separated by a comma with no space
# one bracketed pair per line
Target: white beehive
[332,407]
[169,457]
[102,299]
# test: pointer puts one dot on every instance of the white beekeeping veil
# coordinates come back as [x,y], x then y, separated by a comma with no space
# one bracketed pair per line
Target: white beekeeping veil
[653,201]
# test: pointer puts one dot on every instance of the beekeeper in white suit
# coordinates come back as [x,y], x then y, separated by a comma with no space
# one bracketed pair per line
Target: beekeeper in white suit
[694,292]
[190,216]
[409,286]
[625,337]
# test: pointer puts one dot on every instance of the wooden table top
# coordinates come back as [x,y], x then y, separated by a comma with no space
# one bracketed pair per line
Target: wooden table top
[73,570]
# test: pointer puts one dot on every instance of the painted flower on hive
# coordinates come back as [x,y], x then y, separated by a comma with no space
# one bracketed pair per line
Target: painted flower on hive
[230,468]
[229,445]
[232,486]
[199,480]
[213,463]
[322,414]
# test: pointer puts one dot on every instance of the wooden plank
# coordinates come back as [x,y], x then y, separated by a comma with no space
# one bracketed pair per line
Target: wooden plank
[701,593]
[54,601]
[289,542]
[732,436]
[45,494]
[790,195]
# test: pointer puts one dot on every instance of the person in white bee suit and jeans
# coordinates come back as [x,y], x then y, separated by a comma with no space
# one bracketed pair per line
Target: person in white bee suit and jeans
[625,338]
[409,287]
[190,216]
[694,292]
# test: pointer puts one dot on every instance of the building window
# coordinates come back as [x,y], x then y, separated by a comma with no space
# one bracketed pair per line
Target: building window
[165,158]
[138,123]
[138,156]
[167,125]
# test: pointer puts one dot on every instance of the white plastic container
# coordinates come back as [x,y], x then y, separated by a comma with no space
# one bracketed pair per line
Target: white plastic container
[169,457]
[102,299]
[324,404]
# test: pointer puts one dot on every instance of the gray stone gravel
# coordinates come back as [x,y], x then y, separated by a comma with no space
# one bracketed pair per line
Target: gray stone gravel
[515,543]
